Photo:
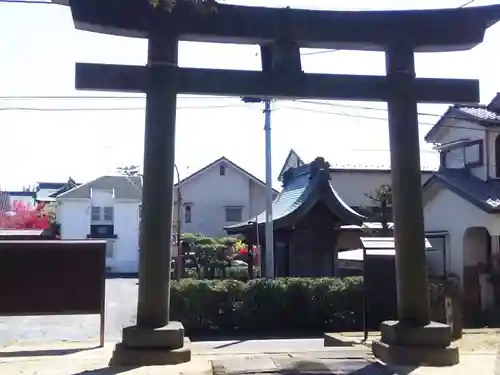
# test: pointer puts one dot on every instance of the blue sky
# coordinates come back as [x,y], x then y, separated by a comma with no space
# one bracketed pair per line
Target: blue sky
[39,48]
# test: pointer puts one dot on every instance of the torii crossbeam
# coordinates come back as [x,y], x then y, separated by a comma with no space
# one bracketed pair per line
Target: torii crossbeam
[280,33]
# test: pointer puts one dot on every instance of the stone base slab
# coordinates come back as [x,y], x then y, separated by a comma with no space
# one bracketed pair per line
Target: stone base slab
[169,337]
[400,333]
[415,355]
[136,357]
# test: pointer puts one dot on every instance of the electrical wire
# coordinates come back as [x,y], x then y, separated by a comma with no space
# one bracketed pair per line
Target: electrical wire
[319,103]
[87,97]
[28,2]
[467,3]
[378,118]
[120,97]
[385,110]
[110,109]
[343,113]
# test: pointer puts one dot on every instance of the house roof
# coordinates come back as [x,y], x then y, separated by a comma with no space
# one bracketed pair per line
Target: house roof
[49,185]
[303,187]
[377,164]
[483,194]
[481,114]
[291,154]
[124,187]
[217,162]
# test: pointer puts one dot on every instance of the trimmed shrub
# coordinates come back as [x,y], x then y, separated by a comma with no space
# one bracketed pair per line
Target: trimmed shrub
[229,307]
[264,305]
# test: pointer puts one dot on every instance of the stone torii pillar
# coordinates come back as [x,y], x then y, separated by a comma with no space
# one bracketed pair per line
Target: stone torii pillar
[156,340]
[414,339]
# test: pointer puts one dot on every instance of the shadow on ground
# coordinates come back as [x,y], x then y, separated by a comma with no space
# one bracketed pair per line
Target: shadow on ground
[43,353]
[344,367]
[107,371]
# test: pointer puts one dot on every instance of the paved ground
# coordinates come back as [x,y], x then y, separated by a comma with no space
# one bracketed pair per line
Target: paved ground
[209,358]
[121,303]
[255,357]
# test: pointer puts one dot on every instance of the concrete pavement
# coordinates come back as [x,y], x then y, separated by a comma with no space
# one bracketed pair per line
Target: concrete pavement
[287,357]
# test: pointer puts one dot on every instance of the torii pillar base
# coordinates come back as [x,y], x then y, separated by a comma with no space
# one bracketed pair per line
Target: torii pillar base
[152,347]
[428,345]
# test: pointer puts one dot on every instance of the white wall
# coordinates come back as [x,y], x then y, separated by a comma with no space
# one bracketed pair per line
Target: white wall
[446,211]
[209,193]
[353,186]
[126,246]
[74,217]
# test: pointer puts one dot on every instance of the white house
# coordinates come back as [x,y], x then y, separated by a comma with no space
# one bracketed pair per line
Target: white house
[107,207]
[220,194]
[463,198]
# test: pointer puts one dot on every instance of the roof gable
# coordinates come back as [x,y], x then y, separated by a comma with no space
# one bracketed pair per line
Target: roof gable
[229,163]
[124,187]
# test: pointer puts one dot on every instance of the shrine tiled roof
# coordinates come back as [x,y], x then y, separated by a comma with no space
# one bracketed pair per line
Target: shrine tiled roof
[483,194]
[304,186]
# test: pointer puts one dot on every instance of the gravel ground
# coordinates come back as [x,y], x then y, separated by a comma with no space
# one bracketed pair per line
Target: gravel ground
[121,304]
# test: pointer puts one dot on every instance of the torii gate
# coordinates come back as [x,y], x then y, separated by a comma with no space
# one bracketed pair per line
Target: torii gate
[280,33]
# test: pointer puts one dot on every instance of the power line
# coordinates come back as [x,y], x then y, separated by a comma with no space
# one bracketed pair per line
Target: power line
[28,2]
[361,107]
[467,3]
[381,118]
[124,97]
[86,97]
[343,113]
[109,109]
[319,52]
[385,110]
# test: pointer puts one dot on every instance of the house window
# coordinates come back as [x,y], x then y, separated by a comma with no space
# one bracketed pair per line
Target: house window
[470,155]
[108,213]
[234,214]
[473,154]
[187,214]
[95,213]
[454,159]
[497,155]
[222,170]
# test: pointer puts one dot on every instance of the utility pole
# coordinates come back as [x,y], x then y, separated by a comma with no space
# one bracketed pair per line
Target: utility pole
[179,271]
[269,254]
[269,193]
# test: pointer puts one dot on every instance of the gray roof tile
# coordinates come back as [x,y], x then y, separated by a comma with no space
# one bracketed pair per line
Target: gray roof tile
[483,194]
[480,112]
[124,187]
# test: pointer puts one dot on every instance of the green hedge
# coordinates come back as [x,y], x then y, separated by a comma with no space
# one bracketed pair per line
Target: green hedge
[228,307]
[263,305]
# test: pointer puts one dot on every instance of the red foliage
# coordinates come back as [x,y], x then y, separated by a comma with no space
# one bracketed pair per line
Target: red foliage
[24,217]
[255,252]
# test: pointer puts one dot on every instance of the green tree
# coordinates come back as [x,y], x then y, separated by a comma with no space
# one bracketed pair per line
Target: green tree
[382,196]
[129,170]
